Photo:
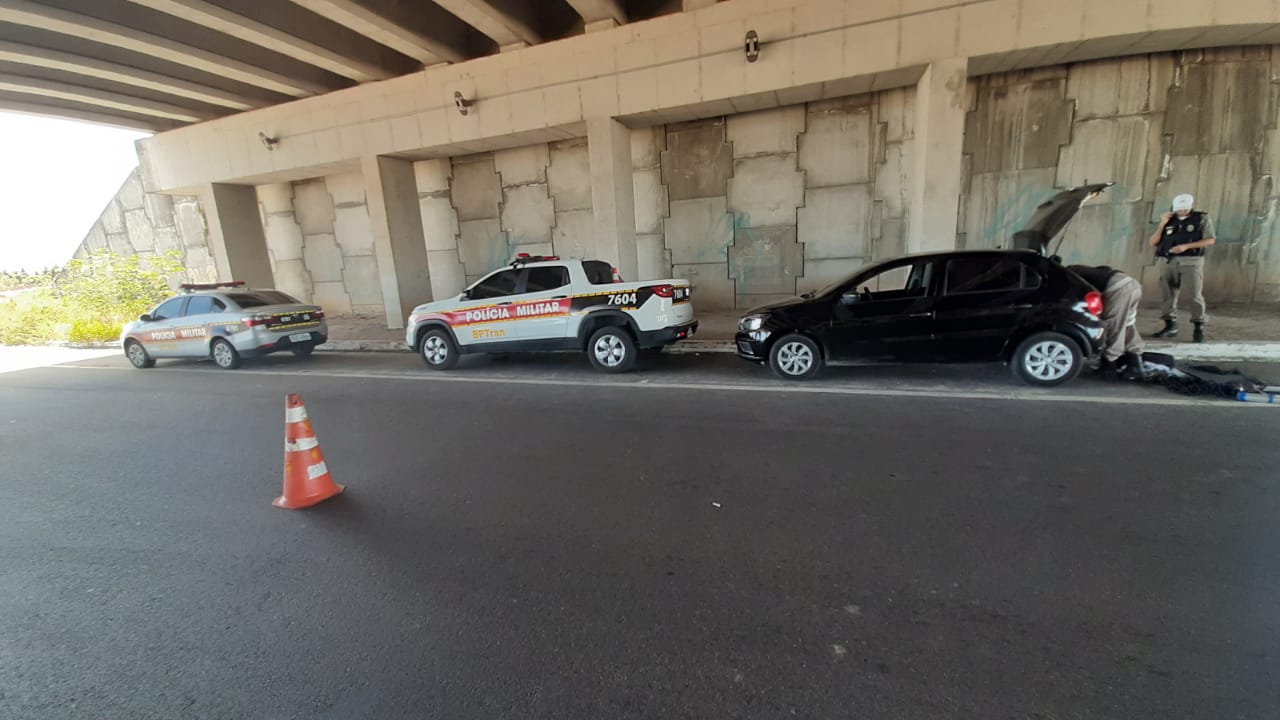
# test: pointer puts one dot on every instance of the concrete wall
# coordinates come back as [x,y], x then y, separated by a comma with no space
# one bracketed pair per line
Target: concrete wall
[1202,122]
[138,223]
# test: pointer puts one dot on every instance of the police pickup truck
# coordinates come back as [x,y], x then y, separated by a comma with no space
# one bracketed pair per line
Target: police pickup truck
[548,304]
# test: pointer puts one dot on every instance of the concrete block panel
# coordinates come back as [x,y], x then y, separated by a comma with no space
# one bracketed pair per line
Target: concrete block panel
[167,240]
[574,235]
[119,243]
[476,188]
[713,289]
[351,227]
[835,148]
[1228,275]
[697,162]
[1020,127]
[276,197]
[646,147]
[96,239]
[893,179]
[998,204]
[897,113]
[159,209]
[518,166]
[650,199]
[432,176]
[654,262]
[347,189]
[439,222]
[284,237]
[112,217]
[323,258]
[766,261]
[528,214]
[130,195]
[448,277]
[699,231]
[1115,149]
[292,277]
[821,273]
[138,228]
[200,266]
[482,245]
[360,276]
[569,176]
[313,207]
[1112,235]
[1220,108]
[836,222]
[189,219]
[332,296]
[1108,88]
[892,241]
[768,132]
[765,190]
[1221,184]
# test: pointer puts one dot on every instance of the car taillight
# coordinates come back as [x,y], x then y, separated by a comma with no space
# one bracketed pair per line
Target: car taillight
[317,315]
[253,321]
[664,291]
[1093,303]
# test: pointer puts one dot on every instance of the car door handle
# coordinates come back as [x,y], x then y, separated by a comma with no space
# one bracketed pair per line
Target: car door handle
[559,297]
[505,303]
[921,315]
[1022,306]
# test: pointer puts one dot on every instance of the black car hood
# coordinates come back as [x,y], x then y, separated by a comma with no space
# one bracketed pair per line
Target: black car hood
[1052,215]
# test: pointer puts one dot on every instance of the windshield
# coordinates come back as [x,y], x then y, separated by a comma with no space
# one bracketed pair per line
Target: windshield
[261,298]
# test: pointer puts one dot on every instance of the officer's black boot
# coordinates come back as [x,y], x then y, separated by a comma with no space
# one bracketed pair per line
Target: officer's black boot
[1197,335]
[1170,329]
[1106,368]
[1132,367]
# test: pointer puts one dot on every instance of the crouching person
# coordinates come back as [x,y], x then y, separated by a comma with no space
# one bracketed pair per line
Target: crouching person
[1121,295]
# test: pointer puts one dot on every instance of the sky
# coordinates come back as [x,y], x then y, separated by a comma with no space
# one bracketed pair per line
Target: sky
[56,176]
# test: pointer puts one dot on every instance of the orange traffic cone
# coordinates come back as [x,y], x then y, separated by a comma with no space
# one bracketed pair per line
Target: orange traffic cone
[306,477]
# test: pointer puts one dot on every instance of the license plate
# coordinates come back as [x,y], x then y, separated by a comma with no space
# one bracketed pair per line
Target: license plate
[299,337]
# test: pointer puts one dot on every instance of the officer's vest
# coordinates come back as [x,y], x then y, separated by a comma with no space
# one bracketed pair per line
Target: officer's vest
[1181,231]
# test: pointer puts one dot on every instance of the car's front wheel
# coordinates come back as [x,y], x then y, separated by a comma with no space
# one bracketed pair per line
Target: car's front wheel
[1047,359]
[224,355]
[438,350]
[795,357]
[138,355]
[612,349]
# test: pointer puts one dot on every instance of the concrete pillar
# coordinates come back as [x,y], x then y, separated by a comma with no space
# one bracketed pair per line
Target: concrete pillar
[613,206]
[236,238]
[396,225]
[939,137]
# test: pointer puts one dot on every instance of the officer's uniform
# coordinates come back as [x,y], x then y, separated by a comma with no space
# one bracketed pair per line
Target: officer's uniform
[1121,295]
[1186,268]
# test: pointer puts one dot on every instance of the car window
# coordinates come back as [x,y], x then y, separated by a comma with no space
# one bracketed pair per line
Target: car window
[199,305]
[598,272]
[496,285]
[546,278]
[983,274]
[897,282]
[169,309]
[1031,278]
[261,298]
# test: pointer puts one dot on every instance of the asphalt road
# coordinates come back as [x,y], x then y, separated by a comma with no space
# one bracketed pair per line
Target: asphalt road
[525,539]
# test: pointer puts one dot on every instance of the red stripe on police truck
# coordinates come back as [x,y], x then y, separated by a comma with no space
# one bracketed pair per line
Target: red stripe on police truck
[503,313]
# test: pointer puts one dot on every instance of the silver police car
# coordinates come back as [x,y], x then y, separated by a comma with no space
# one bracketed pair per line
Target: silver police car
[224,322]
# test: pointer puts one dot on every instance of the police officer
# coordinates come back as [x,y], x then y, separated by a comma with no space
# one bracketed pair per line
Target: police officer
[1180,242]
[1121,295]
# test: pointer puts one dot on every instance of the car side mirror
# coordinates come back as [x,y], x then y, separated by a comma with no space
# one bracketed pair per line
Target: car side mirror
[146,317]
[466,295]
[850,297]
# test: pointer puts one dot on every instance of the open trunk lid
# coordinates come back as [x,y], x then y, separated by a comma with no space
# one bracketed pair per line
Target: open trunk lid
[1052,215]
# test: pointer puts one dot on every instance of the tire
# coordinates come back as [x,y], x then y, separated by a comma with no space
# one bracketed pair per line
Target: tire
[795,357]
[138,355]
[303,350]
[224,354]
[438,350]
[612,349]
[1047,359]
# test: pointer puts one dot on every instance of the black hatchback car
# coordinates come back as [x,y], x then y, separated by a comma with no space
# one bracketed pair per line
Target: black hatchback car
[1014,305]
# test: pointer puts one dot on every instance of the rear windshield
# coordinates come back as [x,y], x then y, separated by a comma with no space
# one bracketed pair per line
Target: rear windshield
[263,297]
[598,272]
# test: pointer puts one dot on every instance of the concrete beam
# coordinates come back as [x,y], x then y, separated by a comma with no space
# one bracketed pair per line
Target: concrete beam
[29,14]
[613,206]
[236,237]
[936,177]
[388,31]
[506,23]
[96,97]
[122,74]
[61,110]
[597,10]
[274,39]
[395,222]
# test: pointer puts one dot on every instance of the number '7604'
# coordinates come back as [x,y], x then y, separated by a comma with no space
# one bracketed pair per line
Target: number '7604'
[623,299]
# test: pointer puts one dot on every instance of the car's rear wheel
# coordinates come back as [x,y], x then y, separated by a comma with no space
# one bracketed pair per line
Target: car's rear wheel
[303,350]
[795,357]
[224,355]
[438,350]
[138,355]
[1047,359]
[612,349]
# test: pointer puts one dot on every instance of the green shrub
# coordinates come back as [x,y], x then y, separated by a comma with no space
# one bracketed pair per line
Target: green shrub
[29,319]
[85,330]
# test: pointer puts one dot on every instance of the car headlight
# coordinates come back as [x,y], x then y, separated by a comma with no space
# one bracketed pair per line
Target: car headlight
[750,323]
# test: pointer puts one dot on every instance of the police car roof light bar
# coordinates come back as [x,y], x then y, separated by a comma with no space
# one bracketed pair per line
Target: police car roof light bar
[211,286]
[522,258]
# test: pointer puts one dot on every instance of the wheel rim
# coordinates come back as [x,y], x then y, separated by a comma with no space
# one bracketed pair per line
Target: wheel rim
[1048,360]
[610,351]
[136,354]
[222,354]
[435,350]
[795,358]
